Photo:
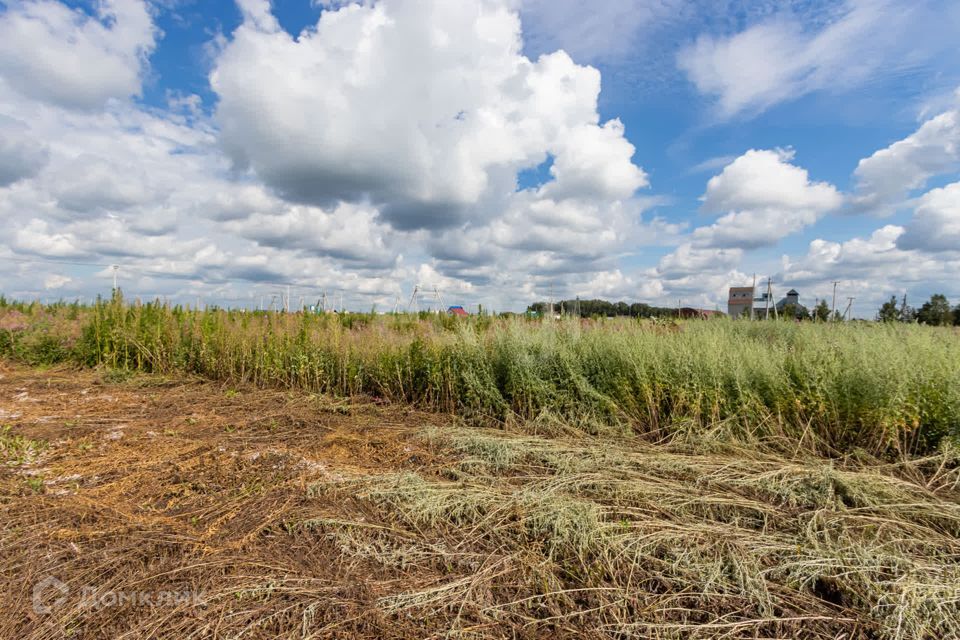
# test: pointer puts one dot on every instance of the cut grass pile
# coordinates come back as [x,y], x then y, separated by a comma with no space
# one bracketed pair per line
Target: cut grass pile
[833,388]
[581,536]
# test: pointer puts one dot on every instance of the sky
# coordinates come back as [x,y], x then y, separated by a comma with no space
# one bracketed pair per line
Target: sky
[499,152]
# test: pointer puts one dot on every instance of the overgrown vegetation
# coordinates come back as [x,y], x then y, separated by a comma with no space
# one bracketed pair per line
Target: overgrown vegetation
[16,450]
[881,388]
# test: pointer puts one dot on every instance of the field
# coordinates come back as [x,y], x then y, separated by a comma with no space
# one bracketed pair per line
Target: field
[402,477]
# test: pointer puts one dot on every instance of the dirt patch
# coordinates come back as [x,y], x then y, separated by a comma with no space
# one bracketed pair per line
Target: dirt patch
[139,492]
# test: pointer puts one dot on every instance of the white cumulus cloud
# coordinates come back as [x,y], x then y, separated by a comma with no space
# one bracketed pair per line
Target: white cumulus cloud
[935,225]
[764,198]
[887,177]
[425,109]
[75,60]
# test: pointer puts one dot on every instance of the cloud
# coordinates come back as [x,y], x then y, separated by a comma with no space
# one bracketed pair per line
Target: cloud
[615,285]
[36,237]
[86,184]
[763,179]
[870,268]
[788,55]
[56,281]
[423,110]
[348,232]
[20,156]
[711,164]
[765,198]
[689,260]
[887,177]
[602,30]
[430,193]
[594,162]
[935,226]
[75,60]
[381,147]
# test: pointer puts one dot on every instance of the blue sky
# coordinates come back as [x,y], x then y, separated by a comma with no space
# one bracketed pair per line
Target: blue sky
[500,150]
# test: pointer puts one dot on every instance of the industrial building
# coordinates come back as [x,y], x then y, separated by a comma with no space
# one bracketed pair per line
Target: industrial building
[740,302]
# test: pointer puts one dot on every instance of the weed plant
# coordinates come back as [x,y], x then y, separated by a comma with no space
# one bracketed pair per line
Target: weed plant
[838,387]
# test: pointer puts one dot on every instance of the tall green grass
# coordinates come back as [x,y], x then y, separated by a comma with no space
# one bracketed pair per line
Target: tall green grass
[878,387]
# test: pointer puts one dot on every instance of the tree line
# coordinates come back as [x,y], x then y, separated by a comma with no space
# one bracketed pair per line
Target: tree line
[936,311]
[590,308]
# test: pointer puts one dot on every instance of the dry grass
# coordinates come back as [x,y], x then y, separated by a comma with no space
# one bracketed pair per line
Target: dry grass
[623,538]
[298,516]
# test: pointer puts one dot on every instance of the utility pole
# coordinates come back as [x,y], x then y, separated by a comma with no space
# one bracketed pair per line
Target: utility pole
[833,307]
[413,299]
[115,268]
[776,315]
[848,314]
[341,302]
[766,302]
[286,302]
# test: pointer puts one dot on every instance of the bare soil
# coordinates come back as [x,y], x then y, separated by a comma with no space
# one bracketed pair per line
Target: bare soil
[151,487]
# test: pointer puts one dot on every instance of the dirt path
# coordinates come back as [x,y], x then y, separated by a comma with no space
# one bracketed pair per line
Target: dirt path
[153,490]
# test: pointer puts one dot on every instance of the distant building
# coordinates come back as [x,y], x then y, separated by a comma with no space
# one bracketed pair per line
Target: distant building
[792,300]
[457,311]
[699,314]
[743,299]
[740,302]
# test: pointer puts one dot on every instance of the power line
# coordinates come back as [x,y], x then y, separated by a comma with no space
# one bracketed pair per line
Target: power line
[53,261]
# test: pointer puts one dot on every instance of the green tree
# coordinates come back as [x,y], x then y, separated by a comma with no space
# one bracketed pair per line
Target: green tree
[889,311]
[822,311]
[591,308]
[795,312]
[936,311]
[907,313]
[956,316]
